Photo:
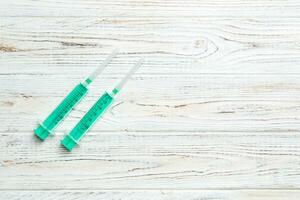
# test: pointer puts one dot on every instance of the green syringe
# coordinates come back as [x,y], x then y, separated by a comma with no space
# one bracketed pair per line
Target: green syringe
[63,109]
[95,112]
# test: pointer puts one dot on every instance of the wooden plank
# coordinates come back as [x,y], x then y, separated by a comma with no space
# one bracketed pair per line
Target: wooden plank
[155,195]
[223,46]
[235,103]
[161,87]
[151,161]
[158,9]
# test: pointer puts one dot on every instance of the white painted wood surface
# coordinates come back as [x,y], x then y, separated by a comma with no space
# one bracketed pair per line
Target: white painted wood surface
[156,195]
[212,114]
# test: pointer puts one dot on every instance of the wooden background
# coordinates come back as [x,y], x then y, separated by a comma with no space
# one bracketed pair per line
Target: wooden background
[214,113]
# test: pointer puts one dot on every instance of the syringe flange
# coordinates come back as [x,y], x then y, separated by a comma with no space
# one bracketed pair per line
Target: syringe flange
[42,131]
[69,142]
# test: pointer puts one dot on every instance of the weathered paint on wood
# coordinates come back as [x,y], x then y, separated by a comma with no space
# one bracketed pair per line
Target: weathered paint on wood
[152,161]
[215,106]
[155,195]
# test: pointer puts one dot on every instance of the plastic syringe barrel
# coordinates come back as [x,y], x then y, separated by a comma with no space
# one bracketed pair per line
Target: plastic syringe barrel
[61,111]
[87,121]
[95,112]
[69,102]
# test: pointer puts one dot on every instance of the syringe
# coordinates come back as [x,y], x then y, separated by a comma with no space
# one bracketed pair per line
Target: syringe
[74,97]
[95,112]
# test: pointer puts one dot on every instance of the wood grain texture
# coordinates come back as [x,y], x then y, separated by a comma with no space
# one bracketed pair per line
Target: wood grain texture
[211,45]
[155,195]
[177,9]
[185,103]
[152,161]
[215,106]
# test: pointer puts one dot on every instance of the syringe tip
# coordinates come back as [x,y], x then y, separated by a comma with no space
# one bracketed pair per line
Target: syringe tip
[115,52]
[129,74]
[137,65]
